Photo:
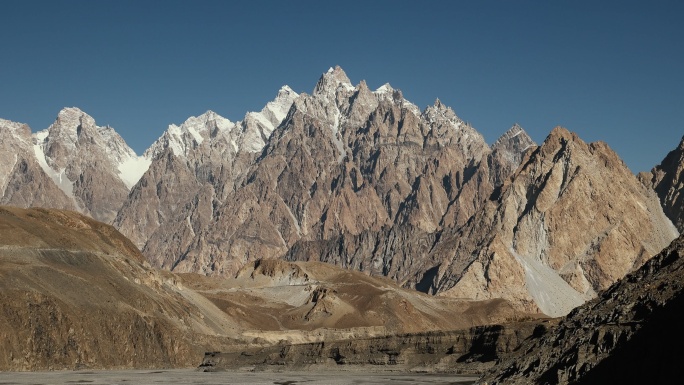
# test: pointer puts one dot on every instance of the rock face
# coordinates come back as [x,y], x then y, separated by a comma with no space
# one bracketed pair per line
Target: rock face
[195,167]
[23,182]
[630,334]
[346,163]
[92,165]
[507,153]
[556,233]
[667,179]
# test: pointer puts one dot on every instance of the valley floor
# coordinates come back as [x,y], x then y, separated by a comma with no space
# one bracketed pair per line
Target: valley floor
[192,376]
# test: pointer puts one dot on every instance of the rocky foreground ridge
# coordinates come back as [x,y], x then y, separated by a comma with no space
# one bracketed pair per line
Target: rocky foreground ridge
[361,179]
[631,334]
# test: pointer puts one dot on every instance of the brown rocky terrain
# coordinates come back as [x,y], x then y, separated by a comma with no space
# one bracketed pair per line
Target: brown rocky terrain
[77,294]
[667,179]
[274,298]
[465,351]
[630,334]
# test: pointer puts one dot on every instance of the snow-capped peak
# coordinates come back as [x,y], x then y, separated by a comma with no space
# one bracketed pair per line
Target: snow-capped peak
[276,110]
[440,112]
[190,134]
[71,116]
[259,126]
[385,89]
[20,131]
[330,81]
[61,146]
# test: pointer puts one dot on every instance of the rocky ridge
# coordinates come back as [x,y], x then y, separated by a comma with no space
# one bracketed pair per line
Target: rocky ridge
[667,179]
[348,160]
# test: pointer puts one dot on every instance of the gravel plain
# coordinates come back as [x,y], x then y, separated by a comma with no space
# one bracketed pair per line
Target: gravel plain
[190,376]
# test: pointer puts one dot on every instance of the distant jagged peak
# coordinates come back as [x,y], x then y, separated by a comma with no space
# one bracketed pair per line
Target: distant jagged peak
[330,81]
[389,92]
[338,74]
[191,133]
[560,132]
[74,128]
[515,139]
[70,118]
[21,130]
[276,110]
[512,132]
[439,112]
[198,124]
[681,144]
[385,89]
[286,92]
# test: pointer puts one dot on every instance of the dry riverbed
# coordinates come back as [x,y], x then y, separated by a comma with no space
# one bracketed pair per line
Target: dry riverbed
[190,376]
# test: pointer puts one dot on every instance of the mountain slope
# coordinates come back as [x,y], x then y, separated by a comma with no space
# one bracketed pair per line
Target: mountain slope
[362,179]
[77,294]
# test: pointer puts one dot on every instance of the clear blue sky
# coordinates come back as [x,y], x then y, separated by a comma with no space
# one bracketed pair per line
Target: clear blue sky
[608,70]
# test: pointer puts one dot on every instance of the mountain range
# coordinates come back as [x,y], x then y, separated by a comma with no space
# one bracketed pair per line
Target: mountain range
[364,180]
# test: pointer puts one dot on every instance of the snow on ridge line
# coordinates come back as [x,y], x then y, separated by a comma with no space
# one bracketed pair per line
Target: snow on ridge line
[132,169]
[59,178]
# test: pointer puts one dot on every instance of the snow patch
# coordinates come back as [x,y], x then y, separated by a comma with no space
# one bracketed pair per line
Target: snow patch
[198,138]
[385,89]
[336,137]
[59,177]
[132,169]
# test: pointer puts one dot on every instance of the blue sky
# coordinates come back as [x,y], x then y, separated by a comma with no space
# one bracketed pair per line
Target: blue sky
[608,70]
